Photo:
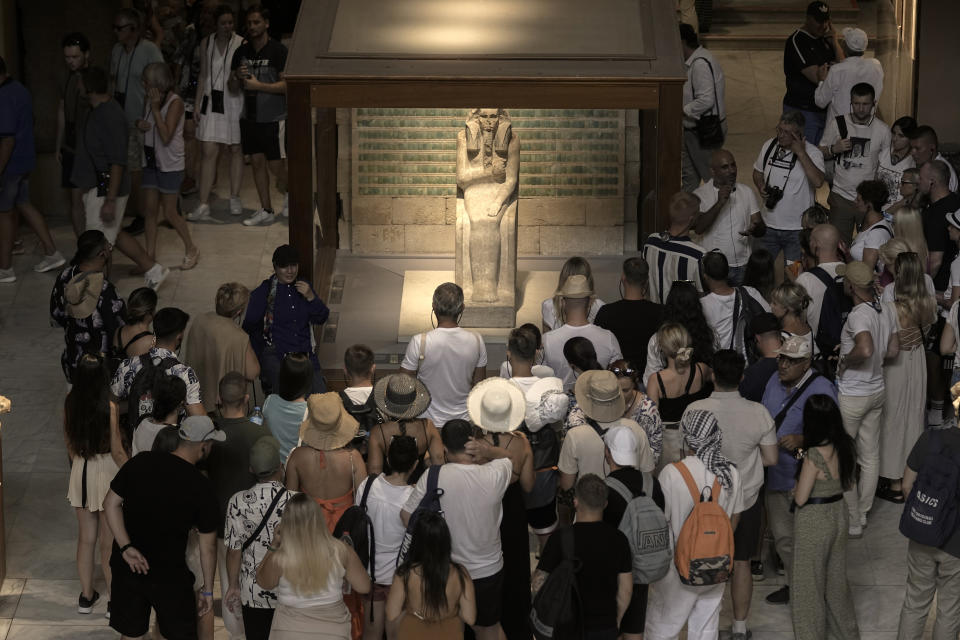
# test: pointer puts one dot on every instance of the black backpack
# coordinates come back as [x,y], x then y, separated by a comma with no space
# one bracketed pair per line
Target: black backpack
[140,396]
[556,612]
[546,455]
[835,308]
[366,414]
[356,529]
[930,513]
[745,309]
[429,502]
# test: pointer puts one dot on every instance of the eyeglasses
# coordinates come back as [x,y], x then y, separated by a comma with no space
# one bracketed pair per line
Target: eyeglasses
[121,27]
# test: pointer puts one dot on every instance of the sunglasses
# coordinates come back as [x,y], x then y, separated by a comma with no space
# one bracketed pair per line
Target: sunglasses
[623,372]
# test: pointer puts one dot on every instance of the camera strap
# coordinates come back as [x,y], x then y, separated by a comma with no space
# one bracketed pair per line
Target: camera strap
[766,157]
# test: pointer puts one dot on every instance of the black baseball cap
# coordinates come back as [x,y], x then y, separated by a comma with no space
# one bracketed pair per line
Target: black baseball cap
[819,10]
[763,323]
[285,255]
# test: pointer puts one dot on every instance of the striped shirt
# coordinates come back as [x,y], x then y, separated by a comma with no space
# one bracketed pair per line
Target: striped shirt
[671,259]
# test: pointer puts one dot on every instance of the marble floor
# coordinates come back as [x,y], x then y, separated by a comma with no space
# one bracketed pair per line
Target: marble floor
[38,597]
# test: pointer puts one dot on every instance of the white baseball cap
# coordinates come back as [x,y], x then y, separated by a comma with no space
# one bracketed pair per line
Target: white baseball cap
[855,39]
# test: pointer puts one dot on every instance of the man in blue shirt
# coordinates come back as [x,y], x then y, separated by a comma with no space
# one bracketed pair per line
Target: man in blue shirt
[280,315]
[17,159]
[784,398]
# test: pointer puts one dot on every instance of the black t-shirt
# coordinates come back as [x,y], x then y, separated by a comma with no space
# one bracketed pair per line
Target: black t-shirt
[229,462]
[800,51]
[164,496]
[633,322]
[265,65]
[756,377]
[935,233]
[951,438]
[604,554]
[633,479]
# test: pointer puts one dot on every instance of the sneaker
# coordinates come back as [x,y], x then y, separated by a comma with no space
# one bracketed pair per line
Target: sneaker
[18,248]
[155,276]
[780,596]
[7,276]
[261,218]
[85,605]
[236,206]
[190,260]
[136,227]
[202,212]
[50,262]
[741,636]
[756,570]
[107,614]
[285,212]
[855,532]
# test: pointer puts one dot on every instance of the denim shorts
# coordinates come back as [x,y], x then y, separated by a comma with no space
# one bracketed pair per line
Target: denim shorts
[14,190]
[163,181]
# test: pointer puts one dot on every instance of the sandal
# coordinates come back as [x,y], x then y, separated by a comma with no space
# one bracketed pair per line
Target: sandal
[190,260]
[888,494]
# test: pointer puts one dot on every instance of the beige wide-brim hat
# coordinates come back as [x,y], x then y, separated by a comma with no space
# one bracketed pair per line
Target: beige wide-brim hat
[575,287]
[599,395]
[82,294]
[496,405]
[400,396]
[327,425]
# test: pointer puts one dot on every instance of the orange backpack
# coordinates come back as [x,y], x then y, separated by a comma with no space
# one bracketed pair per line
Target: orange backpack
[704,551]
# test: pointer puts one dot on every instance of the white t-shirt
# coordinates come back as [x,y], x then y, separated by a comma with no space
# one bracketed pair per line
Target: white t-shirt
[144,435]
[678,503]
[358,395]
[549,315]
[582,450]
[954,274]
[604,342]
[383,506]
[451,356]
[952,321]
[734,218]
[891,174]
[539,370]
[718,311]
[525,382]
[866,378]
[871,141]
[873,237]
[472,505]
[815,289]
[834,91]
[782,171]
[745,426]
[953,172]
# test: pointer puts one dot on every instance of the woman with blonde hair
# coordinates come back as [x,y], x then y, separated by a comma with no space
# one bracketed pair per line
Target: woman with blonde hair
[905,375]
[681,383]
[908,226]
[789,302]
[888,256]
[307,566]
[163,159]
[551,309]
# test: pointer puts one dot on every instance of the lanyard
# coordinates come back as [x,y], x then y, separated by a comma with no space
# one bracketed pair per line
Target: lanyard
[226,50]
[126,85]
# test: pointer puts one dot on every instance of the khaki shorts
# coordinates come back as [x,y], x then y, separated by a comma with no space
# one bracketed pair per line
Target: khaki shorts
[91,207]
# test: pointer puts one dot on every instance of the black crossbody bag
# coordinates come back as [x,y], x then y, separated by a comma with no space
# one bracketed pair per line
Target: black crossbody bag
[263,523]
[709,126]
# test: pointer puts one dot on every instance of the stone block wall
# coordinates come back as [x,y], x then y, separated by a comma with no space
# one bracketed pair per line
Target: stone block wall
[579,177]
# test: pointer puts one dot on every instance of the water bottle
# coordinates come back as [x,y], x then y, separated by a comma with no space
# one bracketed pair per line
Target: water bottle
[257,416]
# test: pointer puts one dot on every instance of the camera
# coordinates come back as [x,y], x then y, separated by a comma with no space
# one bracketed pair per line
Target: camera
[774,195]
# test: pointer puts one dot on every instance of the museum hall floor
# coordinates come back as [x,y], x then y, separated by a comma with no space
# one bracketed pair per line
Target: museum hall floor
[38,598]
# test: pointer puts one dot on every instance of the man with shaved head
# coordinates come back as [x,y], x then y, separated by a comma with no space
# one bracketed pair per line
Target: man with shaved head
[825,246]
[729,214]
[934,183]
[924,147]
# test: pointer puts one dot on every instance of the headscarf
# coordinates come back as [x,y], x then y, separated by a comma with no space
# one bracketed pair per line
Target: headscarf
[701,433]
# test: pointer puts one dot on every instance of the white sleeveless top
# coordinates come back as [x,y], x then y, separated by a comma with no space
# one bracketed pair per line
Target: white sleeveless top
[331,594]
[170,157]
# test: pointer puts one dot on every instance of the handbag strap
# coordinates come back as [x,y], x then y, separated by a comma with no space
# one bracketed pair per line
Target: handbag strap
[263,523]
[780,417]
[716,99]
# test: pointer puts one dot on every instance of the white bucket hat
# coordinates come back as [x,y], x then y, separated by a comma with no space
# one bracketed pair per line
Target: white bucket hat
[546,403]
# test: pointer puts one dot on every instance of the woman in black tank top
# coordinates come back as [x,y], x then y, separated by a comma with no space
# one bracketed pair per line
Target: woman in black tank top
[129,341]
[675,345]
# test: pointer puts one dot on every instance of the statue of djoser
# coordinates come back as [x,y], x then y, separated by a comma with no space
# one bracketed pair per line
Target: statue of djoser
[488,171]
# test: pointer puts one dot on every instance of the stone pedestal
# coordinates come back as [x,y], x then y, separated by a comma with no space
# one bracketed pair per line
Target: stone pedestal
[532,288]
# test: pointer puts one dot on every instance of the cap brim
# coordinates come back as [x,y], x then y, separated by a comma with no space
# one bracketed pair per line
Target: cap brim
[219,435]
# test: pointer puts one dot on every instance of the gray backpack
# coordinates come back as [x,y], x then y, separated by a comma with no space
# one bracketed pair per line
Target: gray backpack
[647,532]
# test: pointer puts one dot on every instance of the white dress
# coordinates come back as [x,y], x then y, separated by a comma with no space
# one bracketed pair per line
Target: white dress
[219,127]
